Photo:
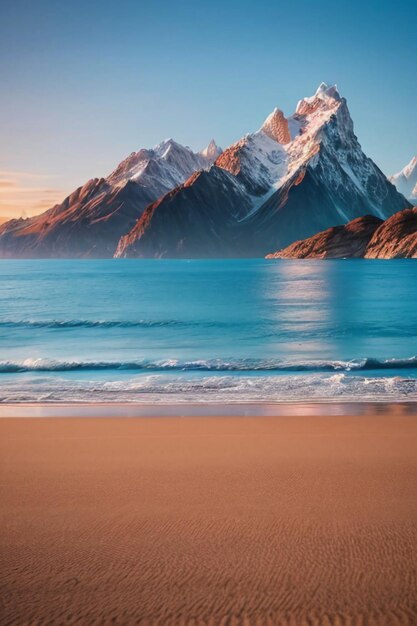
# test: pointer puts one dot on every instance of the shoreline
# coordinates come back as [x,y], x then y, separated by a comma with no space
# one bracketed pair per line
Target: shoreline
[203,409]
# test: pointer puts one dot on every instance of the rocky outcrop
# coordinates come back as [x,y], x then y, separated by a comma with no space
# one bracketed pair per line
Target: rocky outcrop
[396,238]
[366,237]
[339,242]
[276,126]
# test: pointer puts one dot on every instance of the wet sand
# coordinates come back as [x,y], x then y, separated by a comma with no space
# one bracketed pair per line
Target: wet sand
[289,520]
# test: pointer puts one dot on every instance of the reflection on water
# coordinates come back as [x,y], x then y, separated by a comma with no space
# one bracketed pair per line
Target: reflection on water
[299,299]
[298,287]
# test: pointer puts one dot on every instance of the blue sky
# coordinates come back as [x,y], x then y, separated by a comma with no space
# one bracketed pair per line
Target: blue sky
[84,83]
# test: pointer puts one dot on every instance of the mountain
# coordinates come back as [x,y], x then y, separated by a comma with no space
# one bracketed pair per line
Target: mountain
[290,179]
[90,222]
[406,180]
[365,237]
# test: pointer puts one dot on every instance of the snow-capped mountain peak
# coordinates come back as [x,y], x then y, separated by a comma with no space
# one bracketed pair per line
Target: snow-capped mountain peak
[406,180]
[411,168]
[327,91]
[162,148]
[324,97]
[264,160]
[169,161]
[211,151]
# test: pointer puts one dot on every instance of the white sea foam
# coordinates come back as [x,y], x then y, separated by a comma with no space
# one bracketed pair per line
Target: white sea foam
[180,388]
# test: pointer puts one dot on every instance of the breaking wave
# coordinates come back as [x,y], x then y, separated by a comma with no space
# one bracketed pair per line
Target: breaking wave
[209,365]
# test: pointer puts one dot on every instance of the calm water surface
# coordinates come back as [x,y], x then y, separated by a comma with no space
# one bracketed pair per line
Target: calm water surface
[204,331]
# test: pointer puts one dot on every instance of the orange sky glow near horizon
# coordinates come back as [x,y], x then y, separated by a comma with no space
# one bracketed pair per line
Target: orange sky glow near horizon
[24,194]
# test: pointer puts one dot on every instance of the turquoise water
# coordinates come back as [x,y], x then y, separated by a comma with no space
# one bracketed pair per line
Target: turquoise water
[207,331]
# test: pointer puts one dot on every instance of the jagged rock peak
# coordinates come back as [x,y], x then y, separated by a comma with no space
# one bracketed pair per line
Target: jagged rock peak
[408,170]
[406,179]
[162,149]
[324,96]
[211,151]
[326,91]
[276,127]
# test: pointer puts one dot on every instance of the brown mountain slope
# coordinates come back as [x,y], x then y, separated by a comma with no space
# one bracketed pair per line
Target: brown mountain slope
[396,238]
[365,237]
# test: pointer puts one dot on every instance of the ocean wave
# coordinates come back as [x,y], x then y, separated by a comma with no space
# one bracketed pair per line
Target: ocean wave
[211,389]
[79,323]
[263,328]
[209,365]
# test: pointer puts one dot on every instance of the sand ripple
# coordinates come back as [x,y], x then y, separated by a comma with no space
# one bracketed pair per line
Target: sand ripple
[233,522]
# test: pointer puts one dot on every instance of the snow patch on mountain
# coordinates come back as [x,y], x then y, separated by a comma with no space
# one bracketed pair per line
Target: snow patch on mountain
[406,180]
[211,151]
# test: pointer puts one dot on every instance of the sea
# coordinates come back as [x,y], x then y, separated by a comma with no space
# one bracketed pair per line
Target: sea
[207,331]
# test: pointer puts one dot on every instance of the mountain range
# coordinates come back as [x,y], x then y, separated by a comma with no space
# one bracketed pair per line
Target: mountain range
[293,177]
[90,221]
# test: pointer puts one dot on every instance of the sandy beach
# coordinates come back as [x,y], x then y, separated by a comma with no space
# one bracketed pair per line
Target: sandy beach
[289,520]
